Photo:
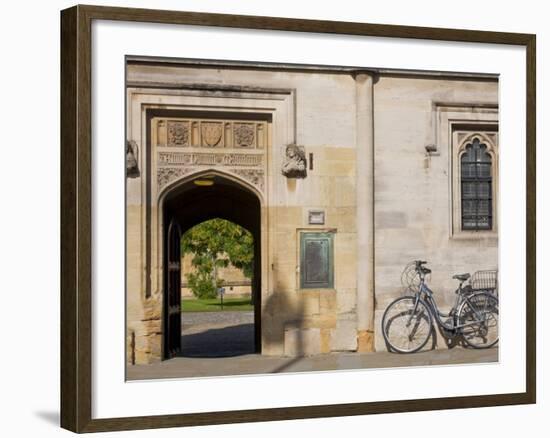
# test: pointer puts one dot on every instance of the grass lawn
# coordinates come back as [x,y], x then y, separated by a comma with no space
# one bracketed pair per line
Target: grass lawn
[214,305]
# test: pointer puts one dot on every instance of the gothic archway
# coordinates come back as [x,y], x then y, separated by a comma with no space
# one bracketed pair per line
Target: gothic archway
[198,198]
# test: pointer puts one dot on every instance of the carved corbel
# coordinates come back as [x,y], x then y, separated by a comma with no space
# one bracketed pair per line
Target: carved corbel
[294,163]
[132,168]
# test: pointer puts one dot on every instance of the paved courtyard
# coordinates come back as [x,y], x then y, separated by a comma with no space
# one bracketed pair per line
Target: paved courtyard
[222,344]
[217,334]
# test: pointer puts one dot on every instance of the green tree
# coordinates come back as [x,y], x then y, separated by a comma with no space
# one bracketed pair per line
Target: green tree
[214,244]
[203,281]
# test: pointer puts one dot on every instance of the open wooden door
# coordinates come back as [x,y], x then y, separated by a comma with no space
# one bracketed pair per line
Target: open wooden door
[172,292]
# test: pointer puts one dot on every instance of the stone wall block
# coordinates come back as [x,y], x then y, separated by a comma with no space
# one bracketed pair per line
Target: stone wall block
[302,342]
[344,336]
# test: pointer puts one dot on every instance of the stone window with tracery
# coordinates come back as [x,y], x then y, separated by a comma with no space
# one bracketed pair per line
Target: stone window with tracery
[474,182]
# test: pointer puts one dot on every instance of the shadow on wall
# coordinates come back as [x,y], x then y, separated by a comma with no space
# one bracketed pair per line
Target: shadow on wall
[283,322]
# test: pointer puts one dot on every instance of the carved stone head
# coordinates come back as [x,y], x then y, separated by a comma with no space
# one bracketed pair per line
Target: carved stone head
[294,162]
[132,169]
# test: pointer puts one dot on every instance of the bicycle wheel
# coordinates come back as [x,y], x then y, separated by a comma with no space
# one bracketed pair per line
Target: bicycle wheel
[479,316]
[406,328]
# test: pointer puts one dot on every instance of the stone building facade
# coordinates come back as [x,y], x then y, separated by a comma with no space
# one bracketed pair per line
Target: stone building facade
[342,175]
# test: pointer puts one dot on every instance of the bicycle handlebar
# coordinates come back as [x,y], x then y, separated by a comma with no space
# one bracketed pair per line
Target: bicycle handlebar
[421,269]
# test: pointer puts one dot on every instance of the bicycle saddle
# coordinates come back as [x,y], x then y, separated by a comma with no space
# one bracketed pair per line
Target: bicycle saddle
[461,277]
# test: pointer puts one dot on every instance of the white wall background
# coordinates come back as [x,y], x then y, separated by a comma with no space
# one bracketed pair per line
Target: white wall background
[29,223]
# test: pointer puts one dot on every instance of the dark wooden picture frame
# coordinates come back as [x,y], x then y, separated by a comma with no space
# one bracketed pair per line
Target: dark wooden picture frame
[76,218]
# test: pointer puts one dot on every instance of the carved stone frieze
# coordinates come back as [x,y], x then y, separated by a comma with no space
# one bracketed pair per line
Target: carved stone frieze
[178,133]
[165,175]
[253,176]
[212,134]
[244,135]
[209,159]
[236,146]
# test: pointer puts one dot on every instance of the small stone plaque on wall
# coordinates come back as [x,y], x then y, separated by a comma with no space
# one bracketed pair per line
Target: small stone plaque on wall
[316,217]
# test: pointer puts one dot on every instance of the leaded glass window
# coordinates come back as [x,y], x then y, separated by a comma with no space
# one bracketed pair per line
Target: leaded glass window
[476,187]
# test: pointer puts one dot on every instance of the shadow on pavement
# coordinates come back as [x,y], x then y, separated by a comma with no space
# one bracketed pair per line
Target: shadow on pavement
[285,366]
[229,341]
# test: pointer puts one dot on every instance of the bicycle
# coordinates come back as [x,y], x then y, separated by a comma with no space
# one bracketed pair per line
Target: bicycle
[408,322]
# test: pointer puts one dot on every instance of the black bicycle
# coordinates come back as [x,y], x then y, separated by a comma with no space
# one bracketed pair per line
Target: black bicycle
[408,321]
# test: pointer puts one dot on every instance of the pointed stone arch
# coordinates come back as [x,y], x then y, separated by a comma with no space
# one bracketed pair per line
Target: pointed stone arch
[255,186]
[483,139]
[230,197]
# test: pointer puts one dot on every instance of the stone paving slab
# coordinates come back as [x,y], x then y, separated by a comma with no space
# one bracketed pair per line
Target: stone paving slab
[182,367]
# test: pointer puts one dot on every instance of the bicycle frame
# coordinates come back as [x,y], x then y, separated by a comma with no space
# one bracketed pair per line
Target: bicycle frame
[431,304]
[437,315]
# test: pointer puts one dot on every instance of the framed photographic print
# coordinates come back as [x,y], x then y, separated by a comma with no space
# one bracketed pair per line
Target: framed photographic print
[305,218]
